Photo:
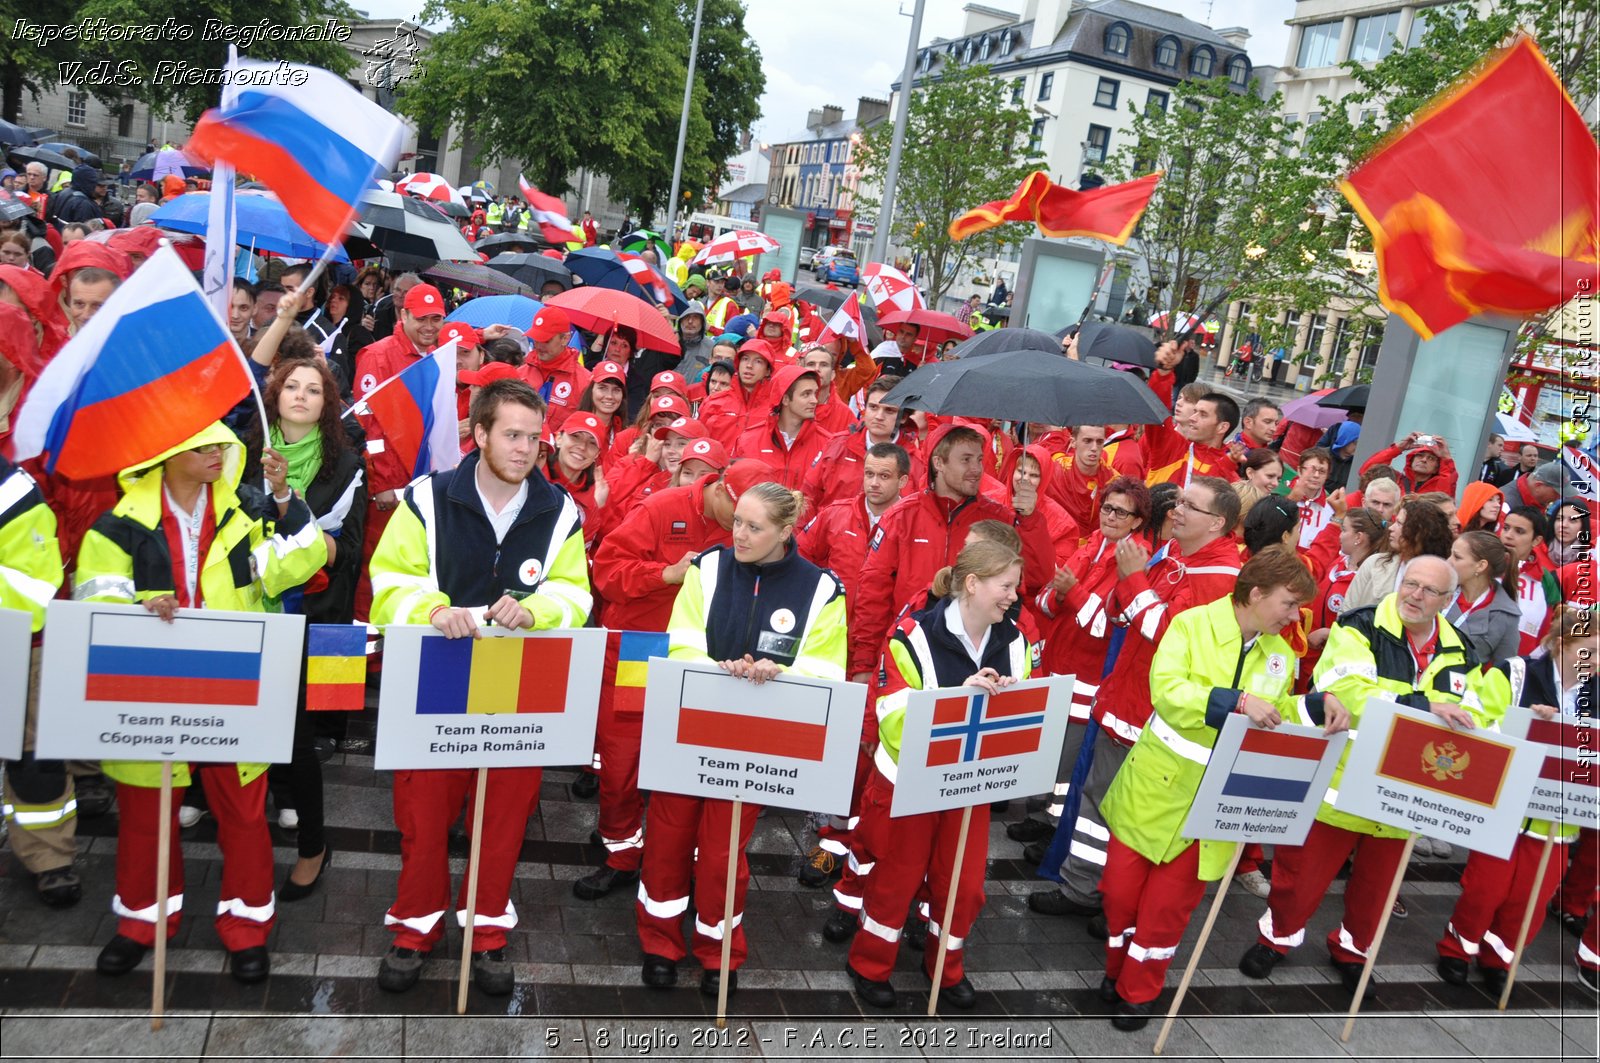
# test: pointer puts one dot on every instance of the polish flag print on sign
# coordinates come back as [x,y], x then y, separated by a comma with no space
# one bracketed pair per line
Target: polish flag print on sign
[1568,787]
[799,731]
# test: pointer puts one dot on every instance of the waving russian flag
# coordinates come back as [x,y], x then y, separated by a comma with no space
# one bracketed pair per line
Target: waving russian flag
[318,144]
[549,212]
[417,408]
[170,368]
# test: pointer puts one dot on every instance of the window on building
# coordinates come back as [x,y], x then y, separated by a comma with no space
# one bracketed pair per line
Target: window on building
[1036,137]
[966,53]
[1017,87]
[1105,94]
[1374,37]
[1117,37]
[1005,43]
[77,108]
[125,120]
[983,49]
[1157,98]
[1319,45]
[927,59]
[1202,61]
[1239,72]
[1098,144]
[1047,82]
[1167,53]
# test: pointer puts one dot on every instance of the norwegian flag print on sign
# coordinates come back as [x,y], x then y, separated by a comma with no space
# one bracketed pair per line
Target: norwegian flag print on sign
[986,726]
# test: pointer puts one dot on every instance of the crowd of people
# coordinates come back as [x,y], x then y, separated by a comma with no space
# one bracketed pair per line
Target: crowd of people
[756,500]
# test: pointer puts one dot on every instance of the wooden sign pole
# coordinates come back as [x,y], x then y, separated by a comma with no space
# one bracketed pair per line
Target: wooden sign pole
[472,891]
[158,988]
[1199,947]
[949,912]
[727,912]
[1527,914]
[1377,939]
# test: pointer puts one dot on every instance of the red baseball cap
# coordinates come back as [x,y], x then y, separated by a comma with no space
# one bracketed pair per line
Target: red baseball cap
[673,404]
[490,372]
[585,422]
[712,453]
[668,379]
[741,475]
[609,371]
[549,321]
[423,300]
[686,427]
[464,334]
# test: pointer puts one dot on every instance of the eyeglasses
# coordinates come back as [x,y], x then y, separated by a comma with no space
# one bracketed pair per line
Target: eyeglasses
[1184,503]
[1411,586]
[1117,512]
[208,448]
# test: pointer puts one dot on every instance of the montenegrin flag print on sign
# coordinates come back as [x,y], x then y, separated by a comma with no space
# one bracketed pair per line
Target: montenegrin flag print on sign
[1274,767]
[799,732]
[492,675]
[214,662]
[1458,764]
[985,726]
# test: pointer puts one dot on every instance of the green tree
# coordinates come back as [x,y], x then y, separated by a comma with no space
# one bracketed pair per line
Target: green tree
[27,65]
[965,144]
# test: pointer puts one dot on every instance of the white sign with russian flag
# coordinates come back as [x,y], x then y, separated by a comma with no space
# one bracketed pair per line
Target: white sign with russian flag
[1263,785]
[790,742]
[961,746]
[1567,789]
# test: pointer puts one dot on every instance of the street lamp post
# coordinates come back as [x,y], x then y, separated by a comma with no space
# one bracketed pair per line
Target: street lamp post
[683,127]
[880,236]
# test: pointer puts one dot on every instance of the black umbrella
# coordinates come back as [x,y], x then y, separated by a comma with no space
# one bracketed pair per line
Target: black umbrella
[1003,341]
[451,208]
[405,225]
[1353,397]
[12,208]
[11,133]
[477,278]
[84,154]
[826,298]
[533,270]
[1029,386]
[1116,343]
[20,157]
[493,245]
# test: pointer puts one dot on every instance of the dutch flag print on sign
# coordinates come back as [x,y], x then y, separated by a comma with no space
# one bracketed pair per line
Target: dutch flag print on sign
[985,726]
[197,661]
[1274,767]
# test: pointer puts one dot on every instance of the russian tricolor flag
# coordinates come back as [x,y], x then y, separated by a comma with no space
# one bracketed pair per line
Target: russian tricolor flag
[417,409]
[319,144]
[204,662]
[170,368]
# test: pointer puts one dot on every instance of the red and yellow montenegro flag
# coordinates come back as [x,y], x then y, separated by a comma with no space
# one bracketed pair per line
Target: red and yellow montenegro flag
[1458,764]
[1487,201]
[1107,213]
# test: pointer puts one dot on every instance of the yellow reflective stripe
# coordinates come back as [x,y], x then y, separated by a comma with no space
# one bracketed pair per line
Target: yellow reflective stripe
[105,587]
[38,817]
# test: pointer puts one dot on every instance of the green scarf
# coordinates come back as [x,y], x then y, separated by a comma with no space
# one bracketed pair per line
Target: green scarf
[304,457]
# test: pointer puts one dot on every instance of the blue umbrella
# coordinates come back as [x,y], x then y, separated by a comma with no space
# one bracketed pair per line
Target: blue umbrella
[602,268]
[263,224]
[514,310]
[155,165]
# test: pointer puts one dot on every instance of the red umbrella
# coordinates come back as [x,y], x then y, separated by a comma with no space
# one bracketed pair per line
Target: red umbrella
[936,327]
[603,309]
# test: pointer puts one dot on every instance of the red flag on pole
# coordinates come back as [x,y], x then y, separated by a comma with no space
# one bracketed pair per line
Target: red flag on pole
[549,212]
[846,323]
[1108,213]
[1488,200]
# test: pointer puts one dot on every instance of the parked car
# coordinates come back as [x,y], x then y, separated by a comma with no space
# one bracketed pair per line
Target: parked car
[808,255]
[835,265]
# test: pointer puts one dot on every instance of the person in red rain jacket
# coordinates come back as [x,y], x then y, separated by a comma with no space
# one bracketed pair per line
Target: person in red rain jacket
[728,413]
[415,334]
[924,531]
[1526,535]
[1429,466]
[554,369]
[836,538]
[1124,449]
[1033,464]
[660,409]
[654,464]
[789,440]
[836,473]
[1198,565]
[1184,447]
[575,467]
[1079,475]
[833,415]
[637,571]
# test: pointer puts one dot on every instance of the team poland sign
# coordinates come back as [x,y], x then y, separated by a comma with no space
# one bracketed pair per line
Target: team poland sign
[789,742]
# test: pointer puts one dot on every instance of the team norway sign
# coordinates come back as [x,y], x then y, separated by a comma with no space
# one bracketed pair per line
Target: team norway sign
[961,746]
[1568,787]
[1409,769]
[791,742]
[1261,785]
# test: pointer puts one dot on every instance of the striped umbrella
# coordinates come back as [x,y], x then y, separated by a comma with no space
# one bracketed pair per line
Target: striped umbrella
[889,288]
[740,243]
[429,186]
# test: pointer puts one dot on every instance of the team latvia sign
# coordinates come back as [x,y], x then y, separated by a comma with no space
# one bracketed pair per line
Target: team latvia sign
[1409,769]
[790,742]
[1568,787]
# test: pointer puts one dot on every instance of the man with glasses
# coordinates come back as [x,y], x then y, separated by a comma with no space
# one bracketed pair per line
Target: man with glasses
[1198,565]
[1401,649]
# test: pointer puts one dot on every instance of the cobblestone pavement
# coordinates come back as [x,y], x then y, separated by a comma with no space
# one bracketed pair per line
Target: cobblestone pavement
[579,995]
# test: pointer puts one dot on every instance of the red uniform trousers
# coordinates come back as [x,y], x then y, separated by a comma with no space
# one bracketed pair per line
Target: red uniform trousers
[688,840]
[842,838]
[616,743]
[1302,874]
[1147,908]
[1494,894]
[1580,889]
[912,849]
[377,520]
[426,802]
[1588,955]
[1251,859]
[246,910]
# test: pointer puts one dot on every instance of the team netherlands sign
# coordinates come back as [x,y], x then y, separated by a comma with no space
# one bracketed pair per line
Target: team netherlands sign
[790,742]
[121,684]
[961,746]
[1263,785]
[1409,769]
[1567,789]
[508,699]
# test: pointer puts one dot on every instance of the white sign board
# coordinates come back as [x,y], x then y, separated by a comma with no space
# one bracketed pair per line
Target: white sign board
[789,742]
[16,654]
[121,684]
[961,746]
[1410,769]
[510,699]
[1568,787]
[1261,785]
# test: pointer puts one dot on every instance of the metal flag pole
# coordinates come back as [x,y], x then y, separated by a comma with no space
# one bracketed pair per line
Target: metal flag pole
[683,127]
[880,235]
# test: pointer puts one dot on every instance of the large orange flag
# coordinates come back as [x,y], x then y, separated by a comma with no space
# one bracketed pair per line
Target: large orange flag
[1487,201]
[1108,213]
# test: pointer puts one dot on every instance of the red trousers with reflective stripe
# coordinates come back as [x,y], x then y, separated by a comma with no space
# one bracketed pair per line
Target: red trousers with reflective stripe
[426,803]
[680,825]
[1588,955]
[1580,889]
[851,885]
[617,741]
[1147,909]
[1494,895]
[1302,874]
[242,834]
[909,850]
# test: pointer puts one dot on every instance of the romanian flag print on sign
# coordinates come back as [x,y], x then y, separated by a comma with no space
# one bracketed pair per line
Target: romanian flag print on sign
[493,675]
[336,667]
[798,732]
[1274,767]
[209,662]
[154,366]
[633,666]
[1464,765]
[986,726]
[306,134]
